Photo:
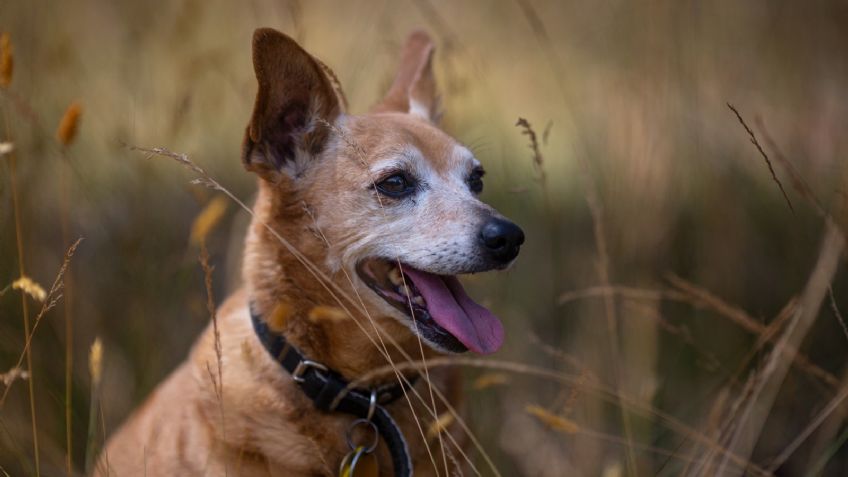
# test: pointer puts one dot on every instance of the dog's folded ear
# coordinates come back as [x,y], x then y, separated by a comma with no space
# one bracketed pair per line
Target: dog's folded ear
[294,104]
[414,88]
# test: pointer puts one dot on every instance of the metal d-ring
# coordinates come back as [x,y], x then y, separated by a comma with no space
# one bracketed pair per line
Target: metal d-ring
[373,427]
[372,405]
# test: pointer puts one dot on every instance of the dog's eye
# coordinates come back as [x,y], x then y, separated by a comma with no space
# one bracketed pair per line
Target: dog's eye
[396,185]
[475,180]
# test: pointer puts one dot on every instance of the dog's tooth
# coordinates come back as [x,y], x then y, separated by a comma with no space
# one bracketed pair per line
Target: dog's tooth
[418,300]
[406,291]
[394,276]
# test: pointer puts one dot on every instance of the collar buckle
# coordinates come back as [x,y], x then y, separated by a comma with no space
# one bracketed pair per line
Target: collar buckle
[303,366]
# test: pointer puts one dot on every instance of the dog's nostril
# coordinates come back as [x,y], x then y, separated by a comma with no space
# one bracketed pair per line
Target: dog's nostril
[501,238]
[495,242]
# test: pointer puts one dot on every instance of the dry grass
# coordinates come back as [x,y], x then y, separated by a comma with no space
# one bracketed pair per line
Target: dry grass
[756,144]
[662,319]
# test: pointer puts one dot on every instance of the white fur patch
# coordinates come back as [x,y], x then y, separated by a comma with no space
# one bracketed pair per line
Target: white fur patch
[419,109]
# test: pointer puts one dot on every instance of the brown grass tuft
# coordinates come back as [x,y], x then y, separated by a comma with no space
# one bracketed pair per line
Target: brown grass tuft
[69,125]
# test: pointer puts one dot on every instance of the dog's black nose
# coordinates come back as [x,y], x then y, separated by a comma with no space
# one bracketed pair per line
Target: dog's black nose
[502,239]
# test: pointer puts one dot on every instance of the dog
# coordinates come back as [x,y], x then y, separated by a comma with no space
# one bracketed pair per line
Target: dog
[360,227]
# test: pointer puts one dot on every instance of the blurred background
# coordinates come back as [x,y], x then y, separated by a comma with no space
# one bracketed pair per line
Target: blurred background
[662,258]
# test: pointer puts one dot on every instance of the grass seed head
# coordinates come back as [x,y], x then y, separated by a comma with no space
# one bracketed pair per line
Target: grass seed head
[68,126]
[439,425]
[327,313]
[490,379]
[30,287]
[553,421]
[95,361]
[13,375]
[207,219]
[7,60]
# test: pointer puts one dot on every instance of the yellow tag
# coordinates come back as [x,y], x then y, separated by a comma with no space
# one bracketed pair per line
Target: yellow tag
[359,463]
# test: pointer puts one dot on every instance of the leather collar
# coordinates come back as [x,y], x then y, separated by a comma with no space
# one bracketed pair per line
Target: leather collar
[327,389]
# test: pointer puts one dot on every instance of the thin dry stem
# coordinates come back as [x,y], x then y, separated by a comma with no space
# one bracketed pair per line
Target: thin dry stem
[756,143]
[22,270]
[797,181]
[836,312]
[213,314]
[625,292]
[67,306]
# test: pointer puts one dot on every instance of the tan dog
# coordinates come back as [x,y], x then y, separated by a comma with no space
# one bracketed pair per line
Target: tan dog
[385,206]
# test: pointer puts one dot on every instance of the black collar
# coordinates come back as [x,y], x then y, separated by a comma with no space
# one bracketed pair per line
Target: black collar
[328,391]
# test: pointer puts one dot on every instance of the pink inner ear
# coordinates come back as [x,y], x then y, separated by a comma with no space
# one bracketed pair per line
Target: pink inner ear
[414,88]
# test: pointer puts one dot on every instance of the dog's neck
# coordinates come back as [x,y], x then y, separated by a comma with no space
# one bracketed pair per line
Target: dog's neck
[290,297]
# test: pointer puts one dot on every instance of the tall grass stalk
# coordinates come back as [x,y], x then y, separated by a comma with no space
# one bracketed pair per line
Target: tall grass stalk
[65,136]
[217,383]
[24,306]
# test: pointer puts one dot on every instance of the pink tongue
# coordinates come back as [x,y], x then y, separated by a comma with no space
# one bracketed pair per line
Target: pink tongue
[475,326]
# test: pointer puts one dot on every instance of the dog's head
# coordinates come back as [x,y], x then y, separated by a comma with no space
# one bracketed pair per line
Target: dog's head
[391,197]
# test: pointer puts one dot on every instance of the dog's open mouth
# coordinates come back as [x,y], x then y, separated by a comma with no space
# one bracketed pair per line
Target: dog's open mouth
[442,312]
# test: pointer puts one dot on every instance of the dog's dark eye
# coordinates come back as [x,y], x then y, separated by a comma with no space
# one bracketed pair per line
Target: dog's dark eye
[396,185]
[475,180]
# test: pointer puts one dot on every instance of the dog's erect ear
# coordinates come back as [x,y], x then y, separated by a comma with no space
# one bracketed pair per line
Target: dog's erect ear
[294,101]
[414,88]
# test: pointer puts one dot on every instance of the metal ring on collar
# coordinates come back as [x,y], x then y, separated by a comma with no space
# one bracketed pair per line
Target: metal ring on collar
[372,405]
[371,425]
